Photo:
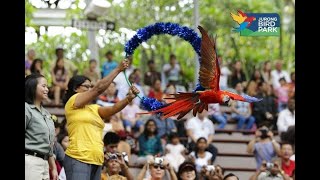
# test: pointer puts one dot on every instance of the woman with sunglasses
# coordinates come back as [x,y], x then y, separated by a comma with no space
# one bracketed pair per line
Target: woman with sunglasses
[84,155]
[157,170]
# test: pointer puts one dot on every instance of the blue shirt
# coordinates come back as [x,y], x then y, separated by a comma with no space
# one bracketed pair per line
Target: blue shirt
[150,146]
[164,126]
[108,67]
[263,151]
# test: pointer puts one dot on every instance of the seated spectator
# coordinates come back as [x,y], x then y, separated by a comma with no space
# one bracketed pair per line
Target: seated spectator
[91,72]
[151,75]
[132,79]
[117,124]
[289,136]
[286,117]
[242,111]
[109,97]
[215,113]
[60,79]
[187,171]
[265,111]
[231,176]
[115,163]
[282,94]
[264,146]
[237,75]
[37,66]
[175,151]
[63,139]
[58,151]
[111,141]
[131,119]
[266,72]
[172,71]
[164,126]
[292,85]
[201,126]
[149,143]
[224,74]
[170,89]
[31,54]
[157,167]
[252,87]
[200,156]
[212,172]
[278,73]
[137,76]
[287,165]
[270,171]
[155,91]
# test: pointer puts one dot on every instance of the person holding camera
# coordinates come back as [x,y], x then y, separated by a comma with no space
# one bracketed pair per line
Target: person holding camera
[212,172]
[111,142]
[264,146]
[157,167]
[114,163]
[270,171]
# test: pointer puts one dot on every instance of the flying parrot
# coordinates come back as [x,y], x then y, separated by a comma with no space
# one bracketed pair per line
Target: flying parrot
[209,76]
[243,20]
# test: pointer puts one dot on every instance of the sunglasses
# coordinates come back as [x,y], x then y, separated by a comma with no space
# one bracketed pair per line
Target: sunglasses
[158,166]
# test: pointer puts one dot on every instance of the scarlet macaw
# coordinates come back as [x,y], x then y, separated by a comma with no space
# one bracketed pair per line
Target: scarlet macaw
[209,76]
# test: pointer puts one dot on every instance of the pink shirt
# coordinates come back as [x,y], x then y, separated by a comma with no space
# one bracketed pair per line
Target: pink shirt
[283,94]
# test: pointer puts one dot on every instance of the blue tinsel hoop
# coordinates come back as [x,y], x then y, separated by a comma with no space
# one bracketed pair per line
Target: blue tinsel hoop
[143,34]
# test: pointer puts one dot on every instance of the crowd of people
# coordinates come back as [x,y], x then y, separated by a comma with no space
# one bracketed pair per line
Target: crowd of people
[103,133]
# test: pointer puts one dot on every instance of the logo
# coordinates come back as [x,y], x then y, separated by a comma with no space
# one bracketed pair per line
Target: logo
[257,24]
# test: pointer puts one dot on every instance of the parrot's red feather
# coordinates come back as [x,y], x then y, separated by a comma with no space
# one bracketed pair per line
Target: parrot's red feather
[184,102]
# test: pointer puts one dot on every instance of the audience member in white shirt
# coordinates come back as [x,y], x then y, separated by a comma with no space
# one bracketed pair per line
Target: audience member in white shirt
[286,117]
[279,73]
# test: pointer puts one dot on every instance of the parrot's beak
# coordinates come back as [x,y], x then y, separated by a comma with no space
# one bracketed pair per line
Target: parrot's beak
[230,102]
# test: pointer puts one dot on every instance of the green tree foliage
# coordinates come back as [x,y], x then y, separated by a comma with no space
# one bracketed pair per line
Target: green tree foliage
[214,17]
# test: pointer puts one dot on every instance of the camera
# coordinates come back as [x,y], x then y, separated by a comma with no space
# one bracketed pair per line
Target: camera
[270,165]
[158,160]
[112,156]
[210,168]
[264,133]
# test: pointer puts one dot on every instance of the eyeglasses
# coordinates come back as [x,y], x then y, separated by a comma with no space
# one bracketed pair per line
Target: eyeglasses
[86,86]
[158,166]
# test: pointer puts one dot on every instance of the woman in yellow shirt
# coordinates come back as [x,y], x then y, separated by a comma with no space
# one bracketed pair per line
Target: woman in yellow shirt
[84,155]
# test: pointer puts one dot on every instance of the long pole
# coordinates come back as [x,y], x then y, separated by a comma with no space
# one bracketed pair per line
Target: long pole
[196,23]
[93,46]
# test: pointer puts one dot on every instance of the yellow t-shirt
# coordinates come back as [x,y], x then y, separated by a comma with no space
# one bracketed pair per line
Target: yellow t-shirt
[85,128]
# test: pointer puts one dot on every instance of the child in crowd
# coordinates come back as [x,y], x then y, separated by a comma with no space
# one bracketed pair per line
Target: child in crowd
[175,151]
[200,156]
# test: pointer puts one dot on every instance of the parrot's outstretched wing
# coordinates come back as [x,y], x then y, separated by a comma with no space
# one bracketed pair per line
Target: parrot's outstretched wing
[239,18]
[209,73]
[244,97]
[240,13]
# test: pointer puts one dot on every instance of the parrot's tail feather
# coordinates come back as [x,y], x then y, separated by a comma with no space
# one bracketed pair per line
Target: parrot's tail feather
[184,102]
